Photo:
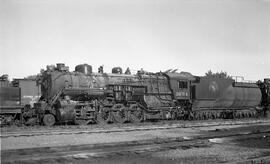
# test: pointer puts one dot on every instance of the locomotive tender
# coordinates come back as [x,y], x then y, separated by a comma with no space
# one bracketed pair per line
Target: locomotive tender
[83,96]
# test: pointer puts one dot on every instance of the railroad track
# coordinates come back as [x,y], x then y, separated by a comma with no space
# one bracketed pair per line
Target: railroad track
[186,124]
[55,154]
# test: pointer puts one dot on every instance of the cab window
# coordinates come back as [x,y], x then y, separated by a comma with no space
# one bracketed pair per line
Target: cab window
[183,84]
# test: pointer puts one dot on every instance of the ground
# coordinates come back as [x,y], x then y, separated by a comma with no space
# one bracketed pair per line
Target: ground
[238,143]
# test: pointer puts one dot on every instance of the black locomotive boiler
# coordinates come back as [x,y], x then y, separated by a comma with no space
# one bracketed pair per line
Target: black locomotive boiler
[86,97]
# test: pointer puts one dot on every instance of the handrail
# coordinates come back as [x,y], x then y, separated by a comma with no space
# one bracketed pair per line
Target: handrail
[55,97]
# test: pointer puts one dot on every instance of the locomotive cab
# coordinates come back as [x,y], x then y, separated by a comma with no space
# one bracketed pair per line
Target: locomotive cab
[180,85]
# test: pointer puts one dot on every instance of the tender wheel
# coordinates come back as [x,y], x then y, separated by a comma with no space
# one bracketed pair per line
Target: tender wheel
[191,116]
[31,121]
[104,116]
[120,116]
[49,120]
[100,119]
[174,115]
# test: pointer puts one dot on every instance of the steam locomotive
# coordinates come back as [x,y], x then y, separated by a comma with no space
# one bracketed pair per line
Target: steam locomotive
[84,97]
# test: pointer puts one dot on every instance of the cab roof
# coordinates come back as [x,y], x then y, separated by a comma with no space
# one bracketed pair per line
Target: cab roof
[181,76]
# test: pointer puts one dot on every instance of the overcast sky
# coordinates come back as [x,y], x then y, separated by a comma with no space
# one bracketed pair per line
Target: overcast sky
[191,35]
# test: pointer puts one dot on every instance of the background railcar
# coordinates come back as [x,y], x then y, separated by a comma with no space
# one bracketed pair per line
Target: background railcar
[30,91]
[10,102]
[17,100]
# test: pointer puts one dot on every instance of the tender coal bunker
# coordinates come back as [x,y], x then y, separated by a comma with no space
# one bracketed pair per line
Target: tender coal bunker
[259,141]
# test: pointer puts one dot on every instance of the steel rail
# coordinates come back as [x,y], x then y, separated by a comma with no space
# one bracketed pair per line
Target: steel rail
[130,129]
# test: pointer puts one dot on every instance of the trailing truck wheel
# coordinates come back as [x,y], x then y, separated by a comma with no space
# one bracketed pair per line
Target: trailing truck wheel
[49,120]
[120,113]
[137,114]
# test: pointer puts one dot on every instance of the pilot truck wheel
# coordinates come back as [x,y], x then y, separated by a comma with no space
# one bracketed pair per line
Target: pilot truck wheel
[49,120]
